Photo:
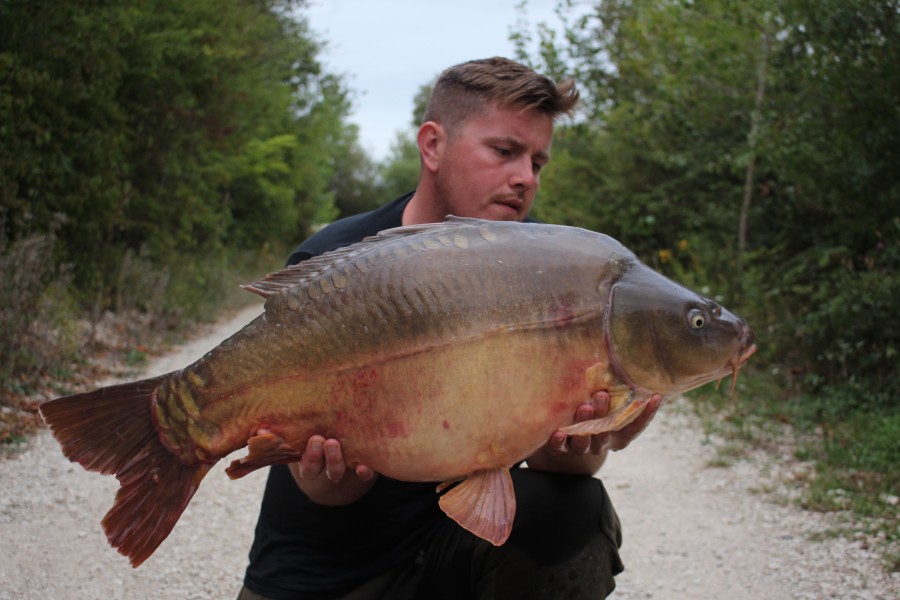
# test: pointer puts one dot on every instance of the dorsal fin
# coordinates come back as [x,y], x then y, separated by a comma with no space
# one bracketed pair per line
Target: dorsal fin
[288,277]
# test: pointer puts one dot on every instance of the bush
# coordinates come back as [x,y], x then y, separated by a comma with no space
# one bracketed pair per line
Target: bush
[830,317]
[37,325]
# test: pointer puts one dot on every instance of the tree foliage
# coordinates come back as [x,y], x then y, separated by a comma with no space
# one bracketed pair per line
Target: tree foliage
[180,132]
[749,148]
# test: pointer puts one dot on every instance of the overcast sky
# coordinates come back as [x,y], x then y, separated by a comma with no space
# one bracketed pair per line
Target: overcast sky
[388,49]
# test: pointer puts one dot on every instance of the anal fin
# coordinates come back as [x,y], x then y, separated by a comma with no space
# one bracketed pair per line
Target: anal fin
[265,449]
[483,503]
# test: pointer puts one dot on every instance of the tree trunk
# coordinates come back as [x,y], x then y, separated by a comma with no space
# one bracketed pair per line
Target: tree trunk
[755,119]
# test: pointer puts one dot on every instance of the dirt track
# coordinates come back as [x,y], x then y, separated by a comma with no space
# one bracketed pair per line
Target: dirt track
[691,531]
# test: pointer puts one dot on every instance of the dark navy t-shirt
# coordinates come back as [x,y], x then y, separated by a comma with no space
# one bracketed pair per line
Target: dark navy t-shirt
[306,550]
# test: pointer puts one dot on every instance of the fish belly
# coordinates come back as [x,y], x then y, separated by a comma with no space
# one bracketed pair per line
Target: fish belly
[433,415]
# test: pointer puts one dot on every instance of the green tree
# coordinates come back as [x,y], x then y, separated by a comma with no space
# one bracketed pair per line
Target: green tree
[177,132]
[671,98]
[63,138]
[837,191]
[399,173]
[748,149]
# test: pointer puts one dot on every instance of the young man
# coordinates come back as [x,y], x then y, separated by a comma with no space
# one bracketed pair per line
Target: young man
[326,531]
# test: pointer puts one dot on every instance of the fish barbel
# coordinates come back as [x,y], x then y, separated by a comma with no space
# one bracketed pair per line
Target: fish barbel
[443,352]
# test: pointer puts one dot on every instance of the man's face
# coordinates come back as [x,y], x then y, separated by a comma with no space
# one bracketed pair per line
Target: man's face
[491,168]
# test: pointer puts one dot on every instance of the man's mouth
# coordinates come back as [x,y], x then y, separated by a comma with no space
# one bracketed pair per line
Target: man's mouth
[513,202]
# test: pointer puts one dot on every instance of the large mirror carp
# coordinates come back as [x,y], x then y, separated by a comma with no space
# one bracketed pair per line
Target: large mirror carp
[444,352]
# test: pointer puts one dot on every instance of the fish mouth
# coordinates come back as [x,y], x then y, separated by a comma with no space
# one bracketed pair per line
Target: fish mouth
[732,366]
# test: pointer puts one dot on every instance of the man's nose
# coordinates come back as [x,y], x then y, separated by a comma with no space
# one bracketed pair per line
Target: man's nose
[523,175]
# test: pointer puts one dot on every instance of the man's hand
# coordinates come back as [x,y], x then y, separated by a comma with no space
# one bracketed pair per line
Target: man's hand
[584,455]
[618,440]
[324,476]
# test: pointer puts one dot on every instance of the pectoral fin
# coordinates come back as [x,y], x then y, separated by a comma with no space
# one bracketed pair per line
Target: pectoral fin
[484,503]
[265,449]
[612,422]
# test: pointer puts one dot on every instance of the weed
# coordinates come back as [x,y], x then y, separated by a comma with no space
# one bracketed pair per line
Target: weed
[135,356]
[36,331]
[50,346]
[852,449]
[728,454]
[892,561]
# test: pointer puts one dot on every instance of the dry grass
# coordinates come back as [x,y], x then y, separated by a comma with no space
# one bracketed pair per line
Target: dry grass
[48,347]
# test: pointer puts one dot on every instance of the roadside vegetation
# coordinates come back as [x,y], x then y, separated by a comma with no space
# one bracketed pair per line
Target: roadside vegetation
[749,150]
[154,155]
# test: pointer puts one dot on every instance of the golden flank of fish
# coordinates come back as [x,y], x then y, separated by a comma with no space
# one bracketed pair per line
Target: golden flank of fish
[445,352]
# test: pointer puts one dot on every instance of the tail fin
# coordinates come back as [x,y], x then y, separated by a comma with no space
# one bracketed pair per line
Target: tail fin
[111,431]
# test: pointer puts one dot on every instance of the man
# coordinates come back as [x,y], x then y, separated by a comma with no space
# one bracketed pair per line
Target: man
[326,531]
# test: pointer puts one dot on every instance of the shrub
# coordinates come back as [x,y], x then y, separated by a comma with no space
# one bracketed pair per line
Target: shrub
[37,328]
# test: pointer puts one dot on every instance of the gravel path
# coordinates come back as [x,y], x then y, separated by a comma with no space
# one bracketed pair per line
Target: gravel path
[691,531]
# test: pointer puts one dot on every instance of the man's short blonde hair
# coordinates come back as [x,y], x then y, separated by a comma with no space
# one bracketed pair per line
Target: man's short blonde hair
[468,88]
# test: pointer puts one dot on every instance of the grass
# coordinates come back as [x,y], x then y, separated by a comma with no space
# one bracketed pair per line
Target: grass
[853,449]
[728,454]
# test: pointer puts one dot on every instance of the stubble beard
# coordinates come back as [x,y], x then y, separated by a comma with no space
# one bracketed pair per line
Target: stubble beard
[444,191]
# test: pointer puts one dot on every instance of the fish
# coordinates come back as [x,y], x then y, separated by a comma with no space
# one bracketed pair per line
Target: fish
[446,352]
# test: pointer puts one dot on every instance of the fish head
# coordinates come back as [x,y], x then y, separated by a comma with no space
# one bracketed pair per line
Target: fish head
[668,339]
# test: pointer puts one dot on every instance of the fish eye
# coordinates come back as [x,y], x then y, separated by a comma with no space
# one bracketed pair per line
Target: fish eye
[696,319]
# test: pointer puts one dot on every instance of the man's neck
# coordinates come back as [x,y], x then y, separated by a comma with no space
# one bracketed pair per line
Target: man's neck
[420,210]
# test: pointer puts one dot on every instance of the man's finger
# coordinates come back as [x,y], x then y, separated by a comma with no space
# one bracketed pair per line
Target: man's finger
[312,461]
[364,473]
[334,461]
[579,444]
[624,437]
[600,400]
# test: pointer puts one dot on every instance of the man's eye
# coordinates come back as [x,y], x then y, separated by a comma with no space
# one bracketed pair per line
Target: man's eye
[503,151]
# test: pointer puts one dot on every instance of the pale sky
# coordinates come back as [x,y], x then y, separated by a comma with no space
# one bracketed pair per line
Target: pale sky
[388,49]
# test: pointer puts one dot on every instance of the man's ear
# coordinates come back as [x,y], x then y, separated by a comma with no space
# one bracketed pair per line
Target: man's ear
[432,139]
